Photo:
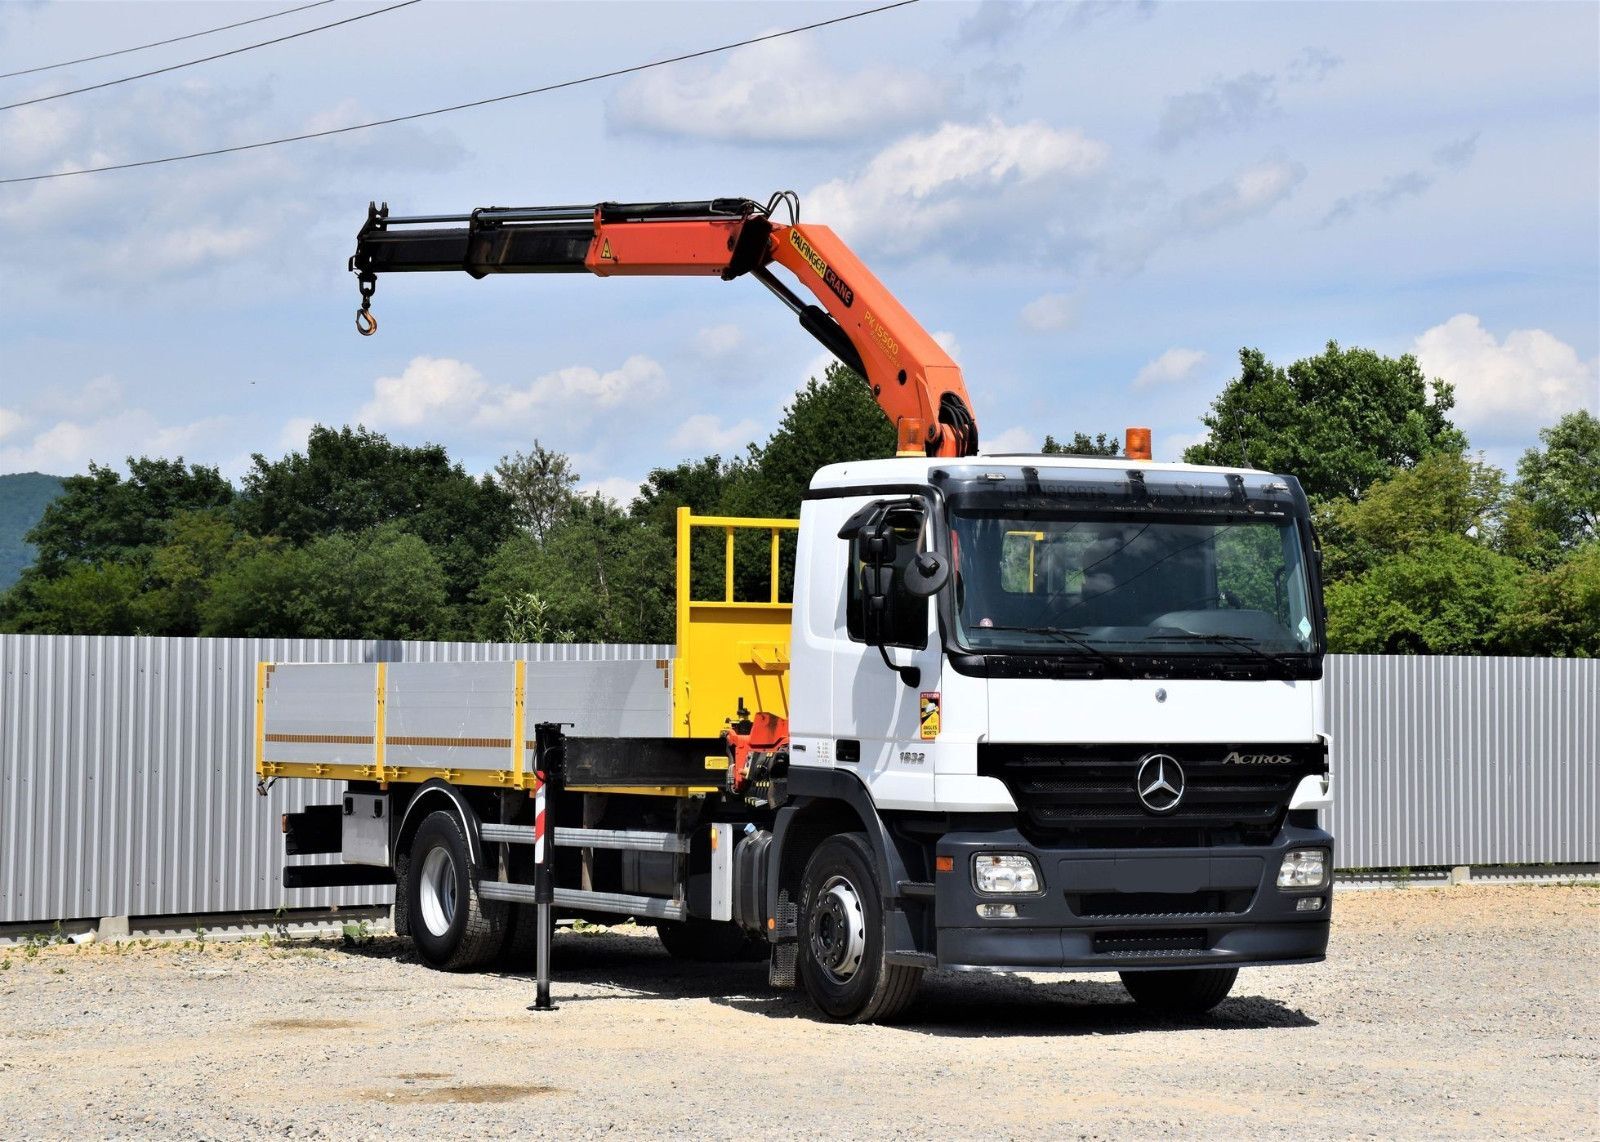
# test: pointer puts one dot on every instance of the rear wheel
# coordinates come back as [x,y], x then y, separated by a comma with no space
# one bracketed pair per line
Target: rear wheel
[452,927]
[1188,991]
[842,962]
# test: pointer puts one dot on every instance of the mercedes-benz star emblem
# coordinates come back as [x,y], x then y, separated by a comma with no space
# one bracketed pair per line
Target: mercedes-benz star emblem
[1159,783]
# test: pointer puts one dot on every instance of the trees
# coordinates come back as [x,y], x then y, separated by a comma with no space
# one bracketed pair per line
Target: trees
[1561,482]
[1338,421]
[1082,444]
[539,483]
[383,582]
[600,577]
[102,518]
[350,480]
[1444,595]
[828,422]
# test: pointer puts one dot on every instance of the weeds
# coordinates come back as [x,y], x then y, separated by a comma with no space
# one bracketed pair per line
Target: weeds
[357,935]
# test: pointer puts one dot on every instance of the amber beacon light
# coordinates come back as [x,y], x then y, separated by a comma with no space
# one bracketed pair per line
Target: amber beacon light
[1137,445]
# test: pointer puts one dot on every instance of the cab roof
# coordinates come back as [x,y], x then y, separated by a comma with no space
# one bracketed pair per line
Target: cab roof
[917,469]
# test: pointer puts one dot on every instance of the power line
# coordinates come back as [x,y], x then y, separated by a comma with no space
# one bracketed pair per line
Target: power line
[205,59]
[163,43]
[466,106]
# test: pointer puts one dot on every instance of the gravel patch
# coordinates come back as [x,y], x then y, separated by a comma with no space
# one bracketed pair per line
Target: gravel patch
[1462,1012]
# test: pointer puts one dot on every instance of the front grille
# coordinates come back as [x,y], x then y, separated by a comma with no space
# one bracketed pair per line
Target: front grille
[1140,905]
[1160,942]
[1090,791]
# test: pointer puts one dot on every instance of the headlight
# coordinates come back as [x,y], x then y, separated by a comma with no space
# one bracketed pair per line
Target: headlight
[997,873]
[1304,868]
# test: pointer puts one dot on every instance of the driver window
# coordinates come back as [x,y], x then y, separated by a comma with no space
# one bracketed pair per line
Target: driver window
[908,614]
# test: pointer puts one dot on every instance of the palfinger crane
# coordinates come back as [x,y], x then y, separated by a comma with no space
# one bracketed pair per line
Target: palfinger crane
[912,378]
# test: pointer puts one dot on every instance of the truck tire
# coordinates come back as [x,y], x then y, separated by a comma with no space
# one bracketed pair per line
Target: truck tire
[841,935]
[451,926]
[522,937]
[705,941]
[1185,991]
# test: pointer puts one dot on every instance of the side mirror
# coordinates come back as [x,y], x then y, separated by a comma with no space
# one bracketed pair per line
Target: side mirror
[926,574]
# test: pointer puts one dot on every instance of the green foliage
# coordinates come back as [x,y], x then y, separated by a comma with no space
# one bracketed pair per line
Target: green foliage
[1557,612]
[539,483]
[1445,494]
[1444,595]
[1560,483]
[351,480]
[23,498]
[380,583]
[600,577]
[828,422]
[102,518]
[83,599]
[525,617]
[1338,422]
[1082,444]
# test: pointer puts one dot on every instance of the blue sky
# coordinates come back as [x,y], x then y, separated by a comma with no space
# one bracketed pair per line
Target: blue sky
[1094,205]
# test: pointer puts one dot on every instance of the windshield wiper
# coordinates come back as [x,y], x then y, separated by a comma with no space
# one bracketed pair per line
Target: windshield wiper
[1247,644]
[1071,635]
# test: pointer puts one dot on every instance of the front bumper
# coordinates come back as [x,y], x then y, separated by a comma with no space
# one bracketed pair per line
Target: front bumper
[1132,909]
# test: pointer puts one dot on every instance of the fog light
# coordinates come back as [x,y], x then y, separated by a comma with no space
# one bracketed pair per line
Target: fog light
[996,873]
[1308,904]
[998,911]
[1304,868]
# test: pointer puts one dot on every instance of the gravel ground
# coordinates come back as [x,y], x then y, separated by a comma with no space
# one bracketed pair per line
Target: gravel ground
[1457,1012]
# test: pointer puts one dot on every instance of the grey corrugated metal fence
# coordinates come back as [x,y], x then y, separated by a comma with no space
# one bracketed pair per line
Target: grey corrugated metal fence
[126,783]
[1461,761]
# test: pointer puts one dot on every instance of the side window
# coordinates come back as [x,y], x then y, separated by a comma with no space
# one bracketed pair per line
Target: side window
[908,614]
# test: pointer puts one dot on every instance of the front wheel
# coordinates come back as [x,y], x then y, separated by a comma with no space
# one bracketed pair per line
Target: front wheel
[842,960]
[1187,991]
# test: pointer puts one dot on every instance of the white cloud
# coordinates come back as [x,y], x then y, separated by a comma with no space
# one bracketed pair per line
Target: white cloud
[1453,157]
[296,434]
[1050,313]
[618,489]
[716,341]
[446,392]
[577,390]
[704,432]
[1172,366]
[1226,105]
[915,193]
[1170,446]
[10,421]
[431,389]
[782,91]
[1248,194]
[947,341]
[1017,439]
[1509,387]
[67,446]
[1313,64]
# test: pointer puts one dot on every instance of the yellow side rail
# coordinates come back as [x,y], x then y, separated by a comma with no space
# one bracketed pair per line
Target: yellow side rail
[729,648]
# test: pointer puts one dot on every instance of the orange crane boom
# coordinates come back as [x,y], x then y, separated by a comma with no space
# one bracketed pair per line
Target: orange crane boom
[914,381]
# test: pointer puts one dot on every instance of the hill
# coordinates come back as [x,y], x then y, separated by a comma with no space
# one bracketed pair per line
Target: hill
[23,497]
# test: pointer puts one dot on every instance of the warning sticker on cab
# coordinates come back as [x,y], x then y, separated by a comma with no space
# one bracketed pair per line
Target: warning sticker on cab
[928,715]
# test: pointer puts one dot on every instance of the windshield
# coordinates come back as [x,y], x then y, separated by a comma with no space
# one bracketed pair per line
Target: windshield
[1115,583]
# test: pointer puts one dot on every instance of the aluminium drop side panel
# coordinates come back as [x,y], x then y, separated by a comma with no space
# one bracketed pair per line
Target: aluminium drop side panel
[321,713]
[450,715]
[602,699]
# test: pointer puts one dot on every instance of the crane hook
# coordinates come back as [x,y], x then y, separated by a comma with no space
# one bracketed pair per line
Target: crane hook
[366,321]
